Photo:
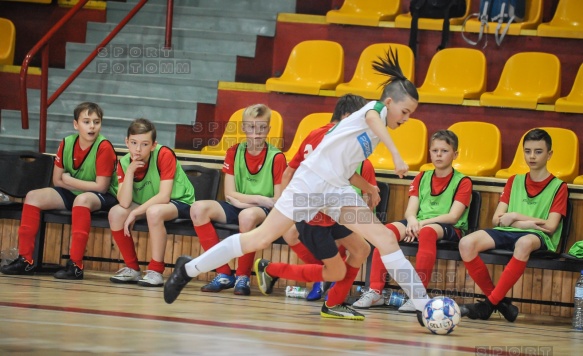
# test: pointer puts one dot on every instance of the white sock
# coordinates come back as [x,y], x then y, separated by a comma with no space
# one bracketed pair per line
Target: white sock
[218,255]
[403,273]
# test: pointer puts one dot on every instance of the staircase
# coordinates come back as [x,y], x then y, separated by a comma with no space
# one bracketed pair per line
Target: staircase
[133,77]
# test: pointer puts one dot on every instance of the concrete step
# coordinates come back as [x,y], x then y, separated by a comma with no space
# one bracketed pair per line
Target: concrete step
[156,109]
[274,6]
[60,125]
[142,42]
[224,20]
[203,66]
[201,91]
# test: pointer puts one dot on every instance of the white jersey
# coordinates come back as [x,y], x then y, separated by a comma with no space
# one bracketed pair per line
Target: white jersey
[345,146]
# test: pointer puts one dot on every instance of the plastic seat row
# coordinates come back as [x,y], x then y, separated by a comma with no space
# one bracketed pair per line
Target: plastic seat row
[567,20]
[480,146]
[454,75]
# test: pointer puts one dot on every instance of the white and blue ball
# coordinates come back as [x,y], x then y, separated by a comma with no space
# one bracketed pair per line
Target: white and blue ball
[441,315]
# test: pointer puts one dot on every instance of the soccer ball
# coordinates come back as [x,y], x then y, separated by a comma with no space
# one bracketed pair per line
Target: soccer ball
[441,315]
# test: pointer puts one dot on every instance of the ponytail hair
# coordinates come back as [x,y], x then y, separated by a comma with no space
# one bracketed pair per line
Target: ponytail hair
[397,86]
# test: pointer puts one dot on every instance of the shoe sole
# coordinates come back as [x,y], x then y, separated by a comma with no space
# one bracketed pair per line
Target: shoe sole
[242,293]
[145,284]
[70,278]
[330,316]
[117,281]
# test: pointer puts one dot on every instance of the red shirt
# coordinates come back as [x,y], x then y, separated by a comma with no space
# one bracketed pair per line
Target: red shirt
[533,188]
[254,163]
[309,144]
[166,167]
[105,158]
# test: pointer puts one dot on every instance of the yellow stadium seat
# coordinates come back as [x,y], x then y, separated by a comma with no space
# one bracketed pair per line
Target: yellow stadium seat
[404,21]
[567,21]
[454,74]
[411,141]
[364,12]
[578,180]
[366,81]
[312,66]
[234,134]
[565,161]
[307,125]
[532,18]
[7,41]
[480,149]
[528,79]
[573,102]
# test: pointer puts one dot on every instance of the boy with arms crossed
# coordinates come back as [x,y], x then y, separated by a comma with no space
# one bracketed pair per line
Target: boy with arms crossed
[529,217]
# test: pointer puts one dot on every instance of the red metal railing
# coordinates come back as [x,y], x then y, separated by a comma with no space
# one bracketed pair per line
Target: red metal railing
[43,45]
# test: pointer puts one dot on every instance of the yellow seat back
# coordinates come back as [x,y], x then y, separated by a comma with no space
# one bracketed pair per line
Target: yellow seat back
[312,66]
[364,12]
[7,41]
[573,102]
[528,79]
[454,74]
[366,81]
[479,149]
[307,125]
[565,161]
[234,134]
[567,21]
[411,141]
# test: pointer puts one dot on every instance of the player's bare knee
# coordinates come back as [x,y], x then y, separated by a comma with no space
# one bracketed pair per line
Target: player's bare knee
[82,200]
[466,248]
[154,214]
[198,213]
[361,252]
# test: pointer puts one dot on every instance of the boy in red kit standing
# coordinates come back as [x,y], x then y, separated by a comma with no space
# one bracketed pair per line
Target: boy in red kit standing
[253,172]
[84,180]
[152,185]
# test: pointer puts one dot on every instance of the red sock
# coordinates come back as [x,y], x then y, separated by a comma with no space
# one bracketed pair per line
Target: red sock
[426,254]
[305,255]
[245,264]
[340,290]
[395,231]
[127,249]
[479,273]
[29,223]
[513,271]
[81,218]
[378,272]
[207,235]
[300,273]
[156,266]
[342,252]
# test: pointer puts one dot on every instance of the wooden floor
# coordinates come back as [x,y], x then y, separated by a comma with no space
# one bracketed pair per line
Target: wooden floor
[40,315]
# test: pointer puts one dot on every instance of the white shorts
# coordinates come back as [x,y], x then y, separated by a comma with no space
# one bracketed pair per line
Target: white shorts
[307,194]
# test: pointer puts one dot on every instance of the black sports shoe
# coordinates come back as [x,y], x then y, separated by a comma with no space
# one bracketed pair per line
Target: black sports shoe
[264,280]
[177,281]
[19,266]
[480,310]
[420,318]
[508,311]
[71,271]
